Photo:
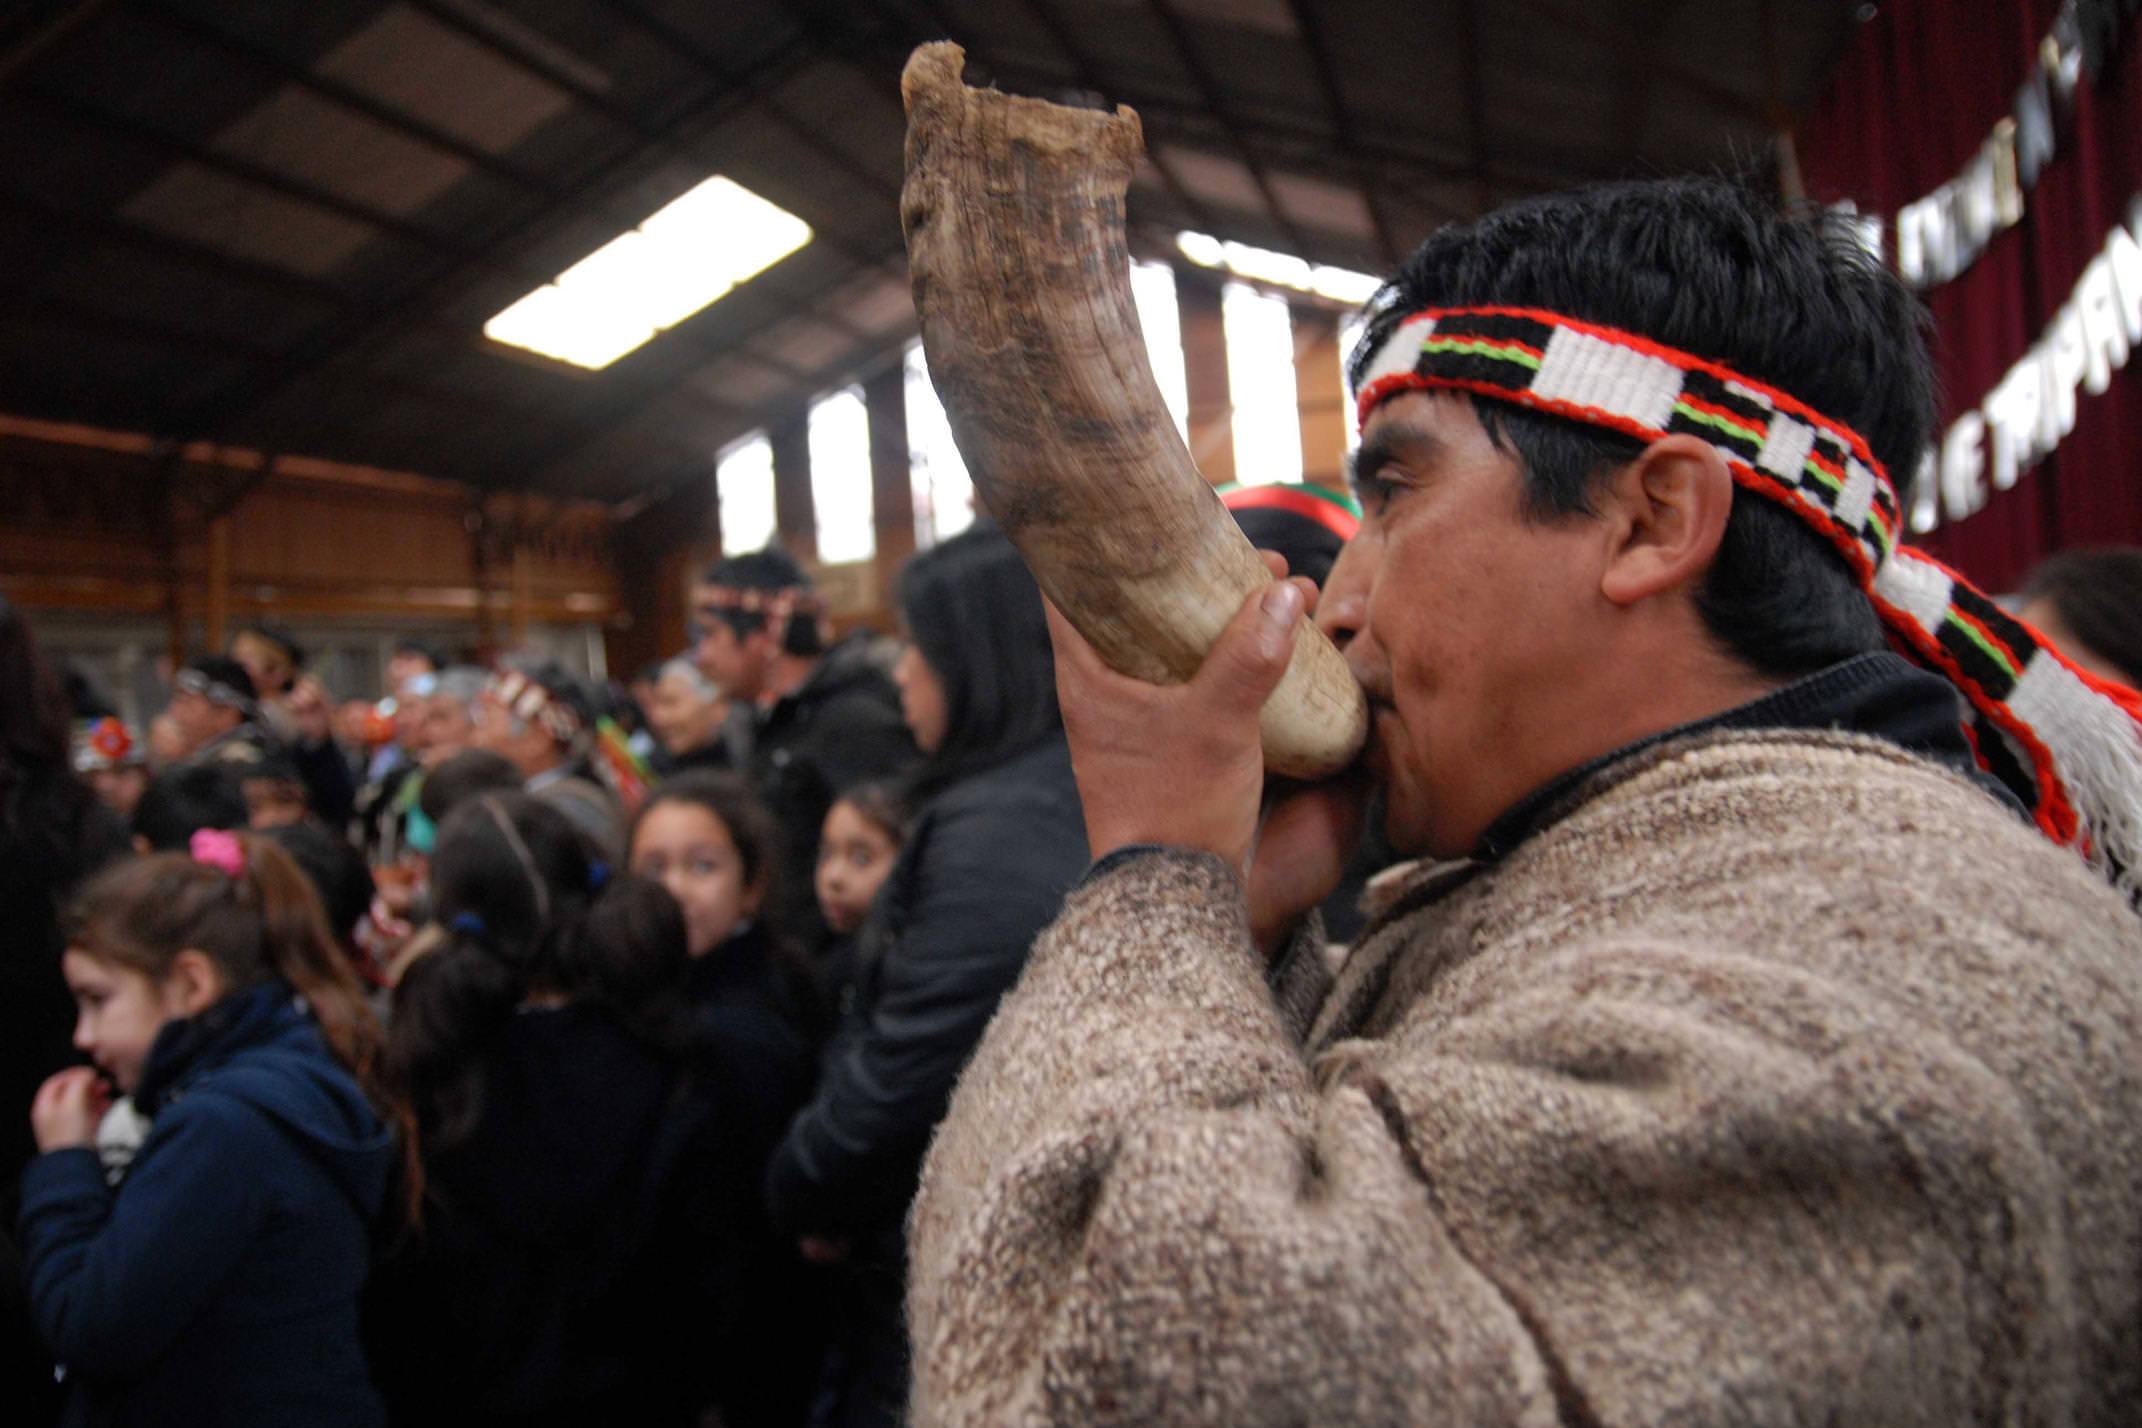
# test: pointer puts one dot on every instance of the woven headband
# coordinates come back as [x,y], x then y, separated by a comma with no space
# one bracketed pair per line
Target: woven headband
[215,691]
[774,604]
[2066,742]
[530,702]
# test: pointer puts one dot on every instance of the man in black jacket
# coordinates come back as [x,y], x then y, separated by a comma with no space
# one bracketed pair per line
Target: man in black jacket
[823,718]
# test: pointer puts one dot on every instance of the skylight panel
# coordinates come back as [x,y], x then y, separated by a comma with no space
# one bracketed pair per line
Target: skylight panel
[687,255]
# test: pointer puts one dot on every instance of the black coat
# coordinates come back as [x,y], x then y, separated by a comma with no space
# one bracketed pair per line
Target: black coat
[984,870]
[594,1251]
[53,833]
[762,1333]
[841,726]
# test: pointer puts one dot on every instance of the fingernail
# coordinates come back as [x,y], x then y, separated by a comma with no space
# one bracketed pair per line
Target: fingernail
[1282,605]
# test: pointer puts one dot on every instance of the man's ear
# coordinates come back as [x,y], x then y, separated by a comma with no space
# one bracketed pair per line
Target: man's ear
[1666,512]
[193,983]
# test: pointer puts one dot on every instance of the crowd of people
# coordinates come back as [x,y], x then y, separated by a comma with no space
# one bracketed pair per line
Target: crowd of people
[819,1031]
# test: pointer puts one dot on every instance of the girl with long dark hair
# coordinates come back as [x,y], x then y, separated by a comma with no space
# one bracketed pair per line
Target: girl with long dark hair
[576,1248]
[998,841]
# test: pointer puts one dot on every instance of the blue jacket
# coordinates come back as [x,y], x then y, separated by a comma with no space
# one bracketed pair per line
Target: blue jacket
[218,1284]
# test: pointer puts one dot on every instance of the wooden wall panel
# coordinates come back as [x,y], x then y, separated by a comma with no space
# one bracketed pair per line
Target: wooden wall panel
[93,521]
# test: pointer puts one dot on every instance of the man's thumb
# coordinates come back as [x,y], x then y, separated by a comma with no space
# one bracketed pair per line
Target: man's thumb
[1246,662]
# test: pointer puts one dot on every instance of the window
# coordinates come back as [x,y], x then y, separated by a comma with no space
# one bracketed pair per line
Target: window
[840,477]
[1260,383]
[687,254]
[944,493]
[744,493]
[1153,288]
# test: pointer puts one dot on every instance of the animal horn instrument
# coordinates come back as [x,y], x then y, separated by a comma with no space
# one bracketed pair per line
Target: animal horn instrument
[1013,210]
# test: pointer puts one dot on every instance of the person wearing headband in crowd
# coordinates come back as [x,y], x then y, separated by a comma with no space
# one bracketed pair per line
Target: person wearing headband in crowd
[295,707]
[820,718]
[1762,1041]
[541,719]
[214,715]
[112,763]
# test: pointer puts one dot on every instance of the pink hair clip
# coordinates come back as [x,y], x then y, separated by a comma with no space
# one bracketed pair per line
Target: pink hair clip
[217,849]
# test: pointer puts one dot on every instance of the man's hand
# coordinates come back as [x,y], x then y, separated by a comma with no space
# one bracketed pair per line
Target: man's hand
[68,1107]
[1178,764]
[1309,833]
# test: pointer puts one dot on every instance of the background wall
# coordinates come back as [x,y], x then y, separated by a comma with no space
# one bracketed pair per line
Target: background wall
[1919,92]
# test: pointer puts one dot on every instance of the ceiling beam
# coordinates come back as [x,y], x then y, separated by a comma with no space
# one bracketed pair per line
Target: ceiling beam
[721,71]
[653,140]
[575,433]
[167,146]
[391,314]
[1311,26]
[126,233]
[20,54]
[1215,100]
[342,95]
[1088,80]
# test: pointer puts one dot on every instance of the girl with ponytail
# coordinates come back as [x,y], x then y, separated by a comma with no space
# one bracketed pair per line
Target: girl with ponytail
[576,1243]
[213,1275]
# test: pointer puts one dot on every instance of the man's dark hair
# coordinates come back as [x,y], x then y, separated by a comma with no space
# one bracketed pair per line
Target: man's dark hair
[2098,596]
[1712,268]
[974,613]
[222,669]
[770,569]
[180,802]
[336,870]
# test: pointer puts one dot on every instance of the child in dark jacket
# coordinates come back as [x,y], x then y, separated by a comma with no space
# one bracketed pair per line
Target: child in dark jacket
[217,1282]
[581,1256]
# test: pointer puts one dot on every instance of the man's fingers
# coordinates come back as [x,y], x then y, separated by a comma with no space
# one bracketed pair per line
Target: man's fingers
[1246,663]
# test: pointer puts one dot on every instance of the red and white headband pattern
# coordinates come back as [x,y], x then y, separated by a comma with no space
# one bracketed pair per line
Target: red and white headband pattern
[2068,743]
[530,702]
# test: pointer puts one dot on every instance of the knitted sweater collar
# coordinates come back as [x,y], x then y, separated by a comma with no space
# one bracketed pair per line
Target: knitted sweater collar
[1881,694]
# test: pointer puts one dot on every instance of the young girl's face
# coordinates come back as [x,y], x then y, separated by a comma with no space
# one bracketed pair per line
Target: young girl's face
[686,849]
[118,1012]
[854,855]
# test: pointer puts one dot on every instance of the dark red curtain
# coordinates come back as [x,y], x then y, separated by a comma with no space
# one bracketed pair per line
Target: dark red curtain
[1919,89]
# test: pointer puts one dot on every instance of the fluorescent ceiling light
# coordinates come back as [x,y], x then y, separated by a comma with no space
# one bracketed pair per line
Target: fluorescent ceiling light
[1284,270]
[646,281]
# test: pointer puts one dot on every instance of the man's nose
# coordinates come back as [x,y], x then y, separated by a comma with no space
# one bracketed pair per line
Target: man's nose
[1342,608]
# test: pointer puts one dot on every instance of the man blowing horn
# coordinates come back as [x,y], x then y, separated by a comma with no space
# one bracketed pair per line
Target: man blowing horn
[1751,1051]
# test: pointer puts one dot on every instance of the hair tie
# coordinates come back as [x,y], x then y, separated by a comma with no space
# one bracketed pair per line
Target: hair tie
[219,849]
[598,875]
[470,924]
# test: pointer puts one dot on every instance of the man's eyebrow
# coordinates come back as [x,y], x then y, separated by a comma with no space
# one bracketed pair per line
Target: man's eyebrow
[1390,444]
